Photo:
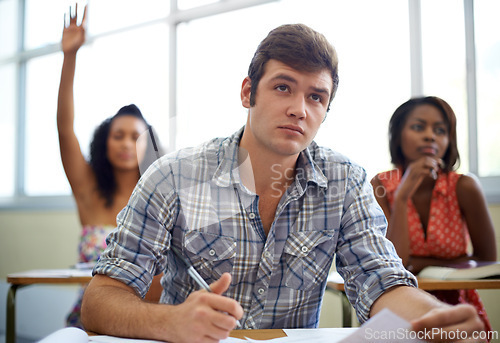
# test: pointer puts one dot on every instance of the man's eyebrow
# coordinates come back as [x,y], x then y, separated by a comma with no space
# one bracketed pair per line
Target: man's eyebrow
[286,77]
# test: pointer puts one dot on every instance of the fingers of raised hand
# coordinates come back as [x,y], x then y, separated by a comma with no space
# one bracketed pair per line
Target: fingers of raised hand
[73,16]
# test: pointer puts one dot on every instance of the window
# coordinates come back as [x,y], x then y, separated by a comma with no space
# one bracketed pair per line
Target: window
[183,66]
[116,67]
[216,59]
[8,124]
[444,74]
[487,39]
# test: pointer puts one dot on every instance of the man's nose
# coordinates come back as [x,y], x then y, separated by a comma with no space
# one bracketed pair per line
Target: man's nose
[298,107]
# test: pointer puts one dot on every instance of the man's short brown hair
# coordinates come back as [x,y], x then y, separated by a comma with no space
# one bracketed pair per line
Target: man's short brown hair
[299,47]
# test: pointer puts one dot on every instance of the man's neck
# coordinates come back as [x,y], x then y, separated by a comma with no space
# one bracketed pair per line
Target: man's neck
[266,173]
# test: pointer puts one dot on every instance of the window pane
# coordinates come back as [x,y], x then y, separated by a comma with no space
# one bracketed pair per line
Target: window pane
[109,75]
[44,173]
[374,72]
[44,22]
[108,15]
[444,69]
[487,29]
[120,69]
[8,96]
[186,4]
[8,27]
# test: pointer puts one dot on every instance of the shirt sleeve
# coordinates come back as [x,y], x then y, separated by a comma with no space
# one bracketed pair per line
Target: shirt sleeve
[366,259]
[136,248]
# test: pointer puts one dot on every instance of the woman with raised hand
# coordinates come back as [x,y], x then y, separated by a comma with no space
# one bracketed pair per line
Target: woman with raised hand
[102,185]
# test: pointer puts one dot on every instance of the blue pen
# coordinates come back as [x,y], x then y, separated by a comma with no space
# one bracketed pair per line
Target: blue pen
[194,274]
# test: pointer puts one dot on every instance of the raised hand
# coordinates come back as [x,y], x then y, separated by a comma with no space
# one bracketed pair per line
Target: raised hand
[73,34]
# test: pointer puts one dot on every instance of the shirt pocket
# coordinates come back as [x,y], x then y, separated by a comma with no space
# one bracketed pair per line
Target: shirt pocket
[210,254]
[303,270]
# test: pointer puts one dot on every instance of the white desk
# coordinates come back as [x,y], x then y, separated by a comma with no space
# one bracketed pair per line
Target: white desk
[33,277]
[336,284]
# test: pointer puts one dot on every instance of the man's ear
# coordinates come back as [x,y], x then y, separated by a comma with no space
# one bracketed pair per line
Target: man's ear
[245,92]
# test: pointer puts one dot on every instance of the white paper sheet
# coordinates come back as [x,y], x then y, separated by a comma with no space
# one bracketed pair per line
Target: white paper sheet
[382,328]
[73,335]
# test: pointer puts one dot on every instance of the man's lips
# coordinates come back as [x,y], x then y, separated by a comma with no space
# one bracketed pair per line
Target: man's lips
[292,128]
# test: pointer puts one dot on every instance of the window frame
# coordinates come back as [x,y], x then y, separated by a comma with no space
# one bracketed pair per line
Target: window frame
[20,201]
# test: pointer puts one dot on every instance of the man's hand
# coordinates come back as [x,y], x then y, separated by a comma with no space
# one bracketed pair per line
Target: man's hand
[429,315]
[206,317]
[455,323]
[112,308]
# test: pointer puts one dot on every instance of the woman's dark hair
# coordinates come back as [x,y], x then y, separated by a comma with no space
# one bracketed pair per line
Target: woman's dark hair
[99,162]
[451,158]
[298,46]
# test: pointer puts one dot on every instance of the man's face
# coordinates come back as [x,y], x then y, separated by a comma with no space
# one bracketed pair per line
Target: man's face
[290,106]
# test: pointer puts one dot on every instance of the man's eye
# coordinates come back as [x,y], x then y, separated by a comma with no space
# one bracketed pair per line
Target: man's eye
[316,97]
[282,88]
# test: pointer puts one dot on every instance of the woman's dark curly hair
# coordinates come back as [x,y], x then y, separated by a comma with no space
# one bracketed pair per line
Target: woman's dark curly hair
[451,158]
[99,162]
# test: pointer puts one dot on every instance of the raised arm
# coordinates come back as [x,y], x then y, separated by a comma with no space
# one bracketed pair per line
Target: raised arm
[77,169]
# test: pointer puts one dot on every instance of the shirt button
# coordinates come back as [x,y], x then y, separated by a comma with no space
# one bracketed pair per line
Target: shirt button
[251,215]
[261,291]
[304,249]
[267,254]
[211,252]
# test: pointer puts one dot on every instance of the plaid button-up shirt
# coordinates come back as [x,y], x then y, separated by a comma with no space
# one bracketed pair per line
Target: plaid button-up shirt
[194,200]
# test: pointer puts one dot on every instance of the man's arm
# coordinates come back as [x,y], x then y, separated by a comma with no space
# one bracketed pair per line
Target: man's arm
[110,307]
[426,312]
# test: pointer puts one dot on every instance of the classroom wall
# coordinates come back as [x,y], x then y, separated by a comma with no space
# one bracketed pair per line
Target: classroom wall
[49,239]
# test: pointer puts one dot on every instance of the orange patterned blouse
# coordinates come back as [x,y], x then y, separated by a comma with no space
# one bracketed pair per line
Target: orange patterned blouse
[446,235]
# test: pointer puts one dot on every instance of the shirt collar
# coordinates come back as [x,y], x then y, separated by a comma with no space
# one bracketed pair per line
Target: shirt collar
[227,172]
[308,170]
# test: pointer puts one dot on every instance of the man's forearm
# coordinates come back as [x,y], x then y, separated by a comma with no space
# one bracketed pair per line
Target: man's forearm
[112,308]
[426,313]
[407,302]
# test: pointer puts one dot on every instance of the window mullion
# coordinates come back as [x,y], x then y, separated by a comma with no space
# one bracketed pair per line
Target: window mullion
[470,56]
[415,20]
[172,87]
[20,176]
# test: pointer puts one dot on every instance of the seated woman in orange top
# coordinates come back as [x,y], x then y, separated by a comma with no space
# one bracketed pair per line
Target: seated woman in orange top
[432,211]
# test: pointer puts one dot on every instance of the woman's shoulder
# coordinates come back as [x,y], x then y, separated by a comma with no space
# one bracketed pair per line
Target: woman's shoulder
[388,177]
[466,184]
